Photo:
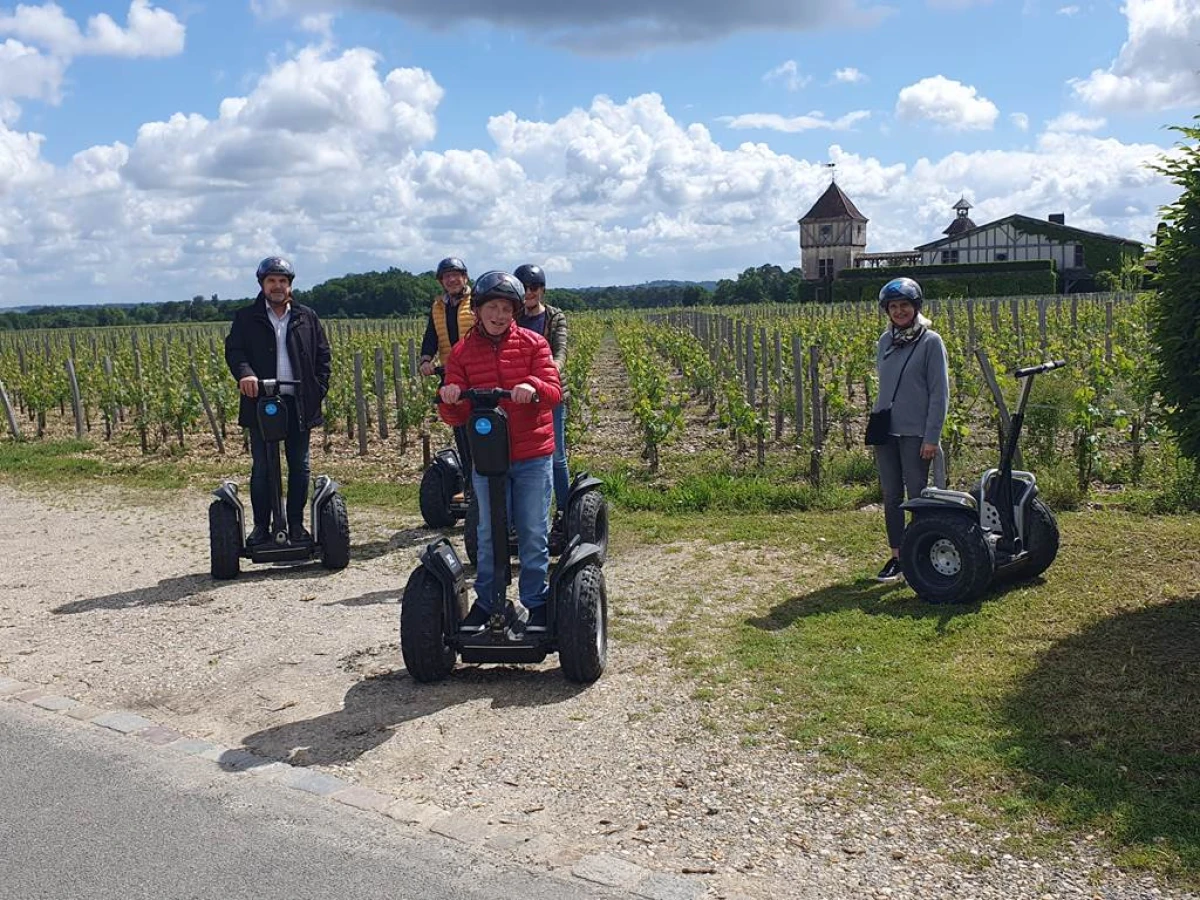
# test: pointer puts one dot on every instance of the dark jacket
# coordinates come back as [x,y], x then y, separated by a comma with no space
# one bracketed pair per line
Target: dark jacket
[250,350]
[554,330]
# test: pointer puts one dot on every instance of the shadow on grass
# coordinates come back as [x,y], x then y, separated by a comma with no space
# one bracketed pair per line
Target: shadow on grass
[874,599]
[376,706]
[1107,734]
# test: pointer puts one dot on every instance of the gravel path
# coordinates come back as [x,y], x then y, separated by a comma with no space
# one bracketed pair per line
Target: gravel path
[106,597]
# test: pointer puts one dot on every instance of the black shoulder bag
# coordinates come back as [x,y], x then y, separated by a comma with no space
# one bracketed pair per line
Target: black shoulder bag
[879,424]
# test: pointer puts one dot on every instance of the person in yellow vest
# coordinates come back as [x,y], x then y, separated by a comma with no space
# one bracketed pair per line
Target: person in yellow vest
[450,320]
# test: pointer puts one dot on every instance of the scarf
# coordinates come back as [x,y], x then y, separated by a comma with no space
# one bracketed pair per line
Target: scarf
[902,337]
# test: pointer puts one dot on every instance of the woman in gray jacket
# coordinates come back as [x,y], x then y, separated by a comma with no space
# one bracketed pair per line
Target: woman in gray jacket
[914,381]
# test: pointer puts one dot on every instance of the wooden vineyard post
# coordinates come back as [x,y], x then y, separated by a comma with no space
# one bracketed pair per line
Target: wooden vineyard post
[814,376]
[212,419]
[766,400]
[76,403]
[13,427]
[779,381]
[1108,331]
[798,387]
[994,306]
[971,339]
[110,412]
[398,388]
[141,394]
[360,403]
[380,403]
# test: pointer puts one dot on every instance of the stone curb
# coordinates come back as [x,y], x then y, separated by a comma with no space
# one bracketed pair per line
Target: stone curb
[534,848]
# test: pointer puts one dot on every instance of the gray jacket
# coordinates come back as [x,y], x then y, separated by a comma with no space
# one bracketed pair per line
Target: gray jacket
[555,333]
[923,398]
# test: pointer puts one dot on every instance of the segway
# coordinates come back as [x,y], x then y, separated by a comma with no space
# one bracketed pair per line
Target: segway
[227,516]
[586,518]
[435,601]
[959,542]
[445,493]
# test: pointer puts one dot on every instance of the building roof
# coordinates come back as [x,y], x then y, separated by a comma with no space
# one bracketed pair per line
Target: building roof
[1066,231]
[834,204]
[959,225]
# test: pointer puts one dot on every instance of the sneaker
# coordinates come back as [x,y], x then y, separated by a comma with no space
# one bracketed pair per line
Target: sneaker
[518,621]
[477,618]
[537,618]
[890,571]
[298,534]
[259,535]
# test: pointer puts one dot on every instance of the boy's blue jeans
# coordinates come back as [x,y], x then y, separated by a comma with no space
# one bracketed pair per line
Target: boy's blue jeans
[529,489]
[562,480]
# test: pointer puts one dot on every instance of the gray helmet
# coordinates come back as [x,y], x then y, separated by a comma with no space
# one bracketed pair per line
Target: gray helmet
[530,275]
[275,265]
[901,289]
[498,286]
[451,264]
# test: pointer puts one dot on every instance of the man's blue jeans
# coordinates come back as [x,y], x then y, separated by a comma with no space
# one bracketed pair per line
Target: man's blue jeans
[262,491]
[562,479]
[529,512]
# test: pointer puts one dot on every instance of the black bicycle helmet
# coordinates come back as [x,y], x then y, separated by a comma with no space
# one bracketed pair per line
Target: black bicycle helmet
[498,285]
[275,265]
[901,289]
[530,275]
[451,264]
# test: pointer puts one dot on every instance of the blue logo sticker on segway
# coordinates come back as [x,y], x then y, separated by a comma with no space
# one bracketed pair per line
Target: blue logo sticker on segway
[483,426]
[271,409]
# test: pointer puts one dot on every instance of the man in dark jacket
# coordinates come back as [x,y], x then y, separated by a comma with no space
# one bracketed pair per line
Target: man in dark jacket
[276,338]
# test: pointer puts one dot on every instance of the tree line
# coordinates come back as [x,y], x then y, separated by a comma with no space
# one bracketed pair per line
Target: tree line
[396,293]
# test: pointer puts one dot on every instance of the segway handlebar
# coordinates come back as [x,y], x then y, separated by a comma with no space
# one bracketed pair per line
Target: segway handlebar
[269,387]
[1037,370]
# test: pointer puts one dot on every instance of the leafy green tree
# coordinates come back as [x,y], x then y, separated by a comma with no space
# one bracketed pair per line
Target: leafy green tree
[1176,310]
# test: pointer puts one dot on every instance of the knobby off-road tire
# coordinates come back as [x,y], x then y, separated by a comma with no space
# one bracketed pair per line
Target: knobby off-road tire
[588,518]
[471,530]
[335,534]
[435,499]
[582,614]
[1041,531]
[946,558]
[423,644]
[224,541]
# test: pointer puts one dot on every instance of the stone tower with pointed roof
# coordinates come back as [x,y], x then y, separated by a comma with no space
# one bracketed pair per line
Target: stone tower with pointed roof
[962,222]
[832,235]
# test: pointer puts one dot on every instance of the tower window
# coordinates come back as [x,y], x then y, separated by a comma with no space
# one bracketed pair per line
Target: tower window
[826,230]
[949,257]
[1079,256]
[824,268]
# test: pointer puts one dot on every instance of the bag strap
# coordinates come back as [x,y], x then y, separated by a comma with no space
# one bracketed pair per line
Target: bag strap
[907,360]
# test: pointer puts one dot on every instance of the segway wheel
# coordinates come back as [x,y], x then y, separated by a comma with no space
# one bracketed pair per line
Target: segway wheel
[582,616]
[435,506]
[588,518]
[335,533]
[1041,539]
[224,541]
[471,530]
[423,629]
[946,558]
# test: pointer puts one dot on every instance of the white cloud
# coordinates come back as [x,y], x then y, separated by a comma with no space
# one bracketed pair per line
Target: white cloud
[810,122]
[615,26]
[946,103]
[1069,11]
[27,73]
[320,24]
[1158,67]
[1073,122]
[787,73]
[849,75]
[326,159]
[150,31]
[1020,120]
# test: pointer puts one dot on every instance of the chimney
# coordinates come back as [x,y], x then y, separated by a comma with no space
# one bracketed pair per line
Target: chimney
[1058,218]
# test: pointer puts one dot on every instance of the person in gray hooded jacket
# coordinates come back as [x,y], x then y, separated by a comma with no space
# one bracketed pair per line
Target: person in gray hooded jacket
[913,378]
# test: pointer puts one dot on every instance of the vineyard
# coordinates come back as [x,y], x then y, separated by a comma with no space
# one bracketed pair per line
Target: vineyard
[776,393]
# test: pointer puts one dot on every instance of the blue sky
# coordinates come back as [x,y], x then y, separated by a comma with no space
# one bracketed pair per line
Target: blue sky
[155,150]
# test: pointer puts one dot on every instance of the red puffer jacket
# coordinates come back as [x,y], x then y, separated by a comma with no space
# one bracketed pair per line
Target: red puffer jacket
[521,356]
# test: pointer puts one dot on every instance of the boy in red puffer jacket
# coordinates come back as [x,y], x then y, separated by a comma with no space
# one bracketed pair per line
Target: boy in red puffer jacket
[497,353]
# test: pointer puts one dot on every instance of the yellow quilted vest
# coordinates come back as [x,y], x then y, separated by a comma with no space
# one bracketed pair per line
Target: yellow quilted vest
[466,321]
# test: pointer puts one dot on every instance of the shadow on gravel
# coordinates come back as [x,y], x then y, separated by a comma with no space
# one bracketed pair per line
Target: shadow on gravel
[872,598]
[1106,732]
[376,706]
[401,540]
[189,588]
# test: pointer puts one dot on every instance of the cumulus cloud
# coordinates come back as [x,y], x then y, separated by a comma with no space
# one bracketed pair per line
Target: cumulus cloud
[1073,122]
[947,104]
[1020,121]
[789,75]
[849,75]
[26,73]
[616,26]
[810,122]
[1158,67]
[149,32]
[326,158]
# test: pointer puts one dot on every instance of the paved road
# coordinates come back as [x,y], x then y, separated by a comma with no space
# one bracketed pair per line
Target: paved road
[87,814]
